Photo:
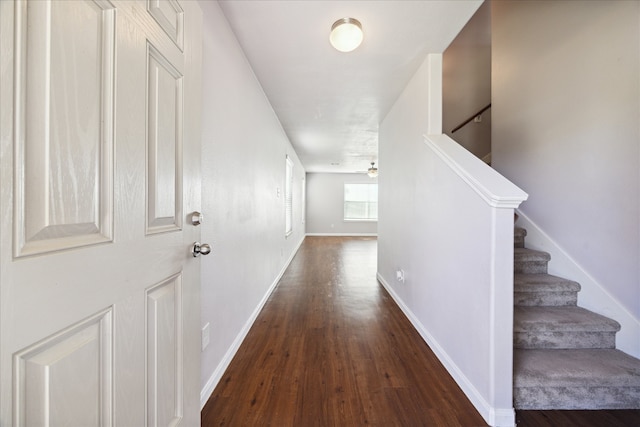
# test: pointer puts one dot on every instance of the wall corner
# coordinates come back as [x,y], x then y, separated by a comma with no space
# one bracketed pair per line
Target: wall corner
[434,74]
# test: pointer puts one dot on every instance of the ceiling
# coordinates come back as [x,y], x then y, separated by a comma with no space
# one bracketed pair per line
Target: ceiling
[330,103]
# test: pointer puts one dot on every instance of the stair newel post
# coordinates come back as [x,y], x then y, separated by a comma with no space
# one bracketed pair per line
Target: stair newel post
[501,311]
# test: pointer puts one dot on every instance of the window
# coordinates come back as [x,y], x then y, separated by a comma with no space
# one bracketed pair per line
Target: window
[361,202]
[288,198]
[304,199]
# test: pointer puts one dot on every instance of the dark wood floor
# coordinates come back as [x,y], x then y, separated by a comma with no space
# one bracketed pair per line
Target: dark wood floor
[630,418]
[331,348]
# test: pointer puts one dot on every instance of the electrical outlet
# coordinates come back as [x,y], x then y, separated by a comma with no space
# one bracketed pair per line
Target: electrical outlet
[205,336]
[400,275]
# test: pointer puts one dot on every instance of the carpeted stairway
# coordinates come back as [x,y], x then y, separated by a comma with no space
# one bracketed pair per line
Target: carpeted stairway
[564,355]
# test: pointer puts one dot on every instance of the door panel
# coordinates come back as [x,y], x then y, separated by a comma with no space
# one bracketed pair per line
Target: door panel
[170,16]
[164,144]
[64,122]
[81,355]
[164,352]
[99,145]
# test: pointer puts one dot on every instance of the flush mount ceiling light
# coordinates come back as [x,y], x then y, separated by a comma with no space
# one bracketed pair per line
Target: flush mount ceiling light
[372,171]
[346,34]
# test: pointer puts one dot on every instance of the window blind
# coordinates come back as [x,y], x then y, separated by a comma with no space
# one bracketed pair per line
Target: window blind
[361,202]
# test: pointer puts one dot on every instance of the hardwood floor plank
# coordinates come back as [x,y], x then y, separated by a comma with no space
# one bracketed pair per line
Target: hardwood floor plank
[331,348]
[617,418]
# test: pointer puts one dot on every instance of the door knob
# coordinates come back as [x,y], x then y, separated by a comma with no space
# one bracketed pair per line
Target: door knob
[200,248]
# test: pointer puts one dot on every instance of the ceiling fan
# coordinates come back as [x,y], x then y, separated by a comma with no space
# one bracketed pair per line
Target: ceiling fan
[372,171]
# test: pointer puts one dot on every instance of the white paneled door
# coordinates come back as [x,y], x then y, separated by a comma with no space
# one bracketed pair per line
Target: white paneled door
[99,175]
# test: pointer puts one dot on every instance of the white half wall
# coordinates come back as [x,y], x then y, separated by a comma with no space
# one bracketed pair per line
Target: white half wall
[243,181]
[566,108]
[446,220]
[325,205]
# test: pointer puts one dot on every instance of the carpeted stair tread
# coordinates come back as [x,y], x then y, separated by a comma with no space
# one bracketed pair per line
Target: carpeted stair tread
[544,290]
[519,234]
[548,282]
[576,379]
[528,255]
[560,319]
[575,368]
[528,261]
[562,327]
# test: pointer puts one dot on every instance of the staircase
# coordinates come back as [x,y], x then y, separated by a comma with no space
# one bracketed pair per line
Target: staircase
[564,355]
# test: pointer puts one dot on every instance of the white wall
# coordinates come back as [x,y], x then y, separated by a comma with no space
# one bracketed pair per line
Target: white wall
[454,245]
[466,83]
[243,165]
[325,205]
[566,108]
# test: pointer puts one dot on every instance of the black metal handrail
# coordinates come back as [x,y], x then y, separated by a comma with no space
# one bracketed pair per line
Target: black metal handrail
[461,125]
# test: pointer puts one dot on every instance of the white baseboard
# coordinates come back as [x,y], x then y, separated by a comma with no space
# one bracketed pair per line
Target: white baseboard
[503,417]
[213,380]
[593,295]
[343,234]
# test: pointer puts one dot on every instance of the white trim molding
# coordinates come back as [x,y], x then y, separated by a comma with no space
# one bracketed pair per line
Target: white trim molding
[495,189]
[342,234]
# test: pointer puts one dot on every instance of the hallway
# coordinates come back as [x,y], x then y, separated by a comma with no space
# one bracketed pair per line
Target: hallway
[331,348]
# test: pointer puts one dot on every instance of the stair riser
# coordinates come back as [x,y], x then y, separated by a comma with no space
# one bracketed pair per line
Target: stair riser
[563,340]
[555,299]
[541,398]
[518,237]
[530,267]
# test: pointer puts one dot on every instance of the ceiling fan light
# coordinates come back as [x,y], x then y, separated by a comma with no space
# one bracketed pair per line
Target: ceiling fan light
[372,171]
[346,34]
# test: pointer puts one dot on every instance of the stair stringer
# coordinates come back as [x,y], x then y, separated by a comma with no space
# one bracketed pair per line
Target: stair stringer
[593,296]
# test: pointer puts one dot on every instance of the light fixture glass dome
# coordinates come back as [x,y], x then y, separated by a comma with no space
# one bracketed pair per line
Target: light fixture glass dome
[372,171]
[346,34]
